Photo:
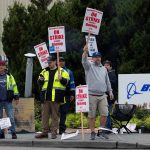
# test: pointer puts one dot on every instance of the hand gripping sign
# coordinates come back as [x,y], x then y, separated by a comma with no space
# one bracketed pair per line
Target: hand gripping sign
[56,37]
[42,54]
[92,21]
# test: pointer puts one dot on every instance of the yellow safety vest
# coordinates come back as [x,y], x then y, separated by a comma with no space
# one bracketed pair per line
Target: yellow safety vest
[11,84]
[58,89]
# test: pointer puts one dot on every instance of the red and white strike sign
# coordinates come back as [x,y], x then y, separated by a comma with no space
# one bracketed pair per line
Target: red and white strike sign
[56,37]
[42,54]
[82,99]
[92,21]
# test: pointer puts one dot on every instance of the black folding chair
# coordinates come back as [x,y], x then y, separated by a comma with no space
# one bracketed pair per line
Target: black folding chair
[122,114]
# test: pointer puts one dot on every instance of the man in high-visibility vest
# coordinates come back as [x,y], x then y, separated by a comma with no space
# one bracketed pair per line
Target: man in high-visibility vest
[8,92]
[53,84]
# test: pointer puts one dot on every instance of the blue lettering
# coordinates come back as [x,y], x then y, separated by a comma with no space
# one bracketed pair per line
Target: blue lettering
[145,87]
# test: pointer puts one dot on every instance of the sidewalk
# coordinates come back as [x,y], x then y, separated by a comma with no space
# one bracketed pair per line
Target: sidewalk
[134,141]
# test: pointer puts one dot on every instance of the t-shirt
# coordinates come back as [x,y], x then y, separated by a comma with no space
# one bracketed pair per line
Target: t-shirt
[50,84]
[3,87]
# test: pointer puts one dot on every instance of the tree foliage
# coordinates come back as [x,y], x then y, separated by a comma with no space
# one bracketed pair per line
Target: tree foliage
[123,36]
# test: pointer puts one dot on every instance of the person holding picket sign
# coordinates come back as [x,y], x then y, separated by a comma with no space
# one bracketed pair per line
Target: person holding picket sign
[52,82]
[98,84]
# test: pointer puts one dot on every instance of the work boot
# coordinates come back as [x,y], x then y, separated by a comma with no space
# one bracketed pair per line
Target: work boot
[14,136]
[2,136]
[54,134]
[41,135]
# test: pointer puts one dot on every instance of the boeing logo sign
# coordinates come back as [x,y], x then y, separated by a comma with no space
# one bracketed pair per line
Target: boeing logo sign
[132,89]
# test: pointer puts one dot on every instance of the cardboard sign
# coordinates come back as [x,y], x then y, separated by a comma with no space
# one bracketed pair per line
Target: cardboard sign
[92,21]
[82,99]
[42,54]
[5,123]
[56,37]
[92,45]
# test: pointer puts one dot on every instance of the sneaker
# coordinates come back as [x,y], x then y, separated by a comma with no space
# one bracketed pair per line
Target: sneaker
[41,135]
[14,136]
[102,135]
[93,135]
[2,136]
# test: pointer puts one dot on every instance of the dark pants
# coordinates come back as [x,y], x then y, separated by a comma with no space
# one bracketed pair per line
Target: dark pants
[109,121]
[63,114]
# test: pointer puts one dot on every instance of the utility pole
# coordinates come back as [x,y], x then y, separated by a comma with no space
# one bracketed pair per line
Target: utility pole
[29,73]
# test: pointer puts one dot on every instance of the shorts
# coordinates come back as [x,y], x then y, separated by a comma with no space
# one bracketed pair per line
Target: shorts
[100,103]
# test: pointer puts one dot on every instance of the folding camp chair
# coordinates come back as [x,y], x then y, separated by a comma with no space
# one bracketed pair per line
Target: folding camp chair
[122,114]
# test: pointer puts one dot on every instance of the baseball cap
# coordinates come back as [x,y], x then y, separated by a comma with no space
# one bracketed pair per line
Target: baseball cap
[51,58]
[61,59]
[2,62]
[95,54]
[108,62]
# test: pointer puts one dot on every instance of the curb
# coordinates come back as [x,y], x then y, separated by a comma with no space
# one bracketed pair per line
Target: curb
[73,144]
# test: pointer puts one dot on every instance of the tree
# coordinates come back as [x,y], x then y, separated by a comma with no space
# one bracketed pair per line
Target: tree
[24,29]
[132,27]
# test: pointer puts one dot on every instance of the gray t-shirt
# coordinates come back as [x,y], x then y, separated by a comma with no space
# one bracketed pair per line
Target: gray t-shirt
[96,78]
[3,88]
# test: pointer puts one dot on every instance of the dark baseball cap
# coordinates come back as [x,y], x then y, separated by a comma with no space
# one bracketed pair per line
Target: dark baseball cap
[61,58]
[108,62]
[95,54]
[51,58]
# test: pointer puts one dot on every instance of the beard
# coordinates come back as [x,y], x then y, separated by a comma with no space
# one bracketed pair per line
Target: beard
[97,62]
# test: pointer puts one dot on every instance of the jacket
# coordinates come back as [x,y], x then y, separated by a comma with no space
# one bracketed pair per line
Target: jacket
[12,90]
[58,88]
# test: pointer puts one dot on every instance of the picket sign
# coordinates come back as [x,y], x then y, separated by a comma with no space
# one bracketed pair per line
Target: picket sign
[69,135]
[92,45]
[92,21]
[42,54]
[56,37]
[5,123]
[82,102]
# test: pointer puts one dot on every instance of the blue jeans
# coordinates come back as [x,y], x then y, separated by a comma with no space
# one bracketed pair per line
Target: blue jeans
[9,112]
[109,121]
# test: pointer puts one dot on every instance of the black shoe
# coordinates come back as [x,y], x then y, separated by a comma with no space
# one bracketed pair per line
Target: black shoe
[2,136]
[14,136]
[61,132]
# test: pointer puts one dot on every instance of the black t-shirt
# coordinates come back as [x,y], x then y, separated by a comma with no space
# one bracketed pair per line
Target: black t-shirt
[50,84]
